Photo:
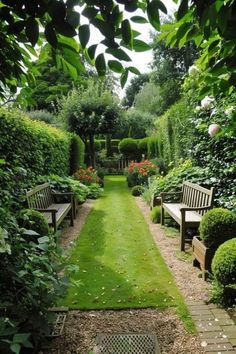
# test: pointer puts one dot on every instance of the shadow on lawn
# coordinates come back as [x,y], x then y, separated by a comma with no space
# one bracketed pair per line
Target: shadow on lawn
[103,283]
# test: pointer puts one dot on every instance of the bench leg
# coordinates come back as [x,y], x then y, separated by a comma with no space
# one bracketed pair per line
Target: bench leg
[72,217]
[162,216]
[182,237]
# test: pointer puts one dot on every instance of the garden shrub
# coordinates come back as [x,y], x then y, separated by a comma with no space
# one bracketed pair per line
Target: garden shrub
[217,226]
[76,153]
[156,214]
[97,146]
[173,181]
[152,146]
[42,115]
[87,175]
[35,146]
[143,146]
[66,184]
[139,172]
[136,191]
[224,262]
[129,148]
[95,191]
[29,286]
[31,219]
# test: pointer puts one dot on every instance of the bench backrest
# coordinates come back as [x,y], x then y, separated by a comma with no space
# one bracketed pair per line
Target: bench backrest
[40,197]
[197,196]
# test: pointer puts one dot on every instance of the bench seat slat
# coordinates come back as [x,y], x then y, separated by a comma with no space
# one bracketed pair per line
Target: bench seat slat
[62,209]
[191,217]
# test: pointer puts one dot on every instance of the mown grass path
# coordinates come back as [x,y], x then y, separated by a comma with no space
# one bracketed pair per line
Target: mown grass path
[120,266]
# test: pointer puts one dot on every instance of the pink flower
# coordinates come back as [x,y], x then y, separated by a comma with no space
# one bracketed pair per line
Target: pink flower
[213,129]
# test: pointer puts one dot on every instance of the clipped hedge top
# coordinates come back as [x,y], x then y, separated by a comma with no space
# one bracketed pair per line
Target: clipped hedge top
[224,263]
[217,226]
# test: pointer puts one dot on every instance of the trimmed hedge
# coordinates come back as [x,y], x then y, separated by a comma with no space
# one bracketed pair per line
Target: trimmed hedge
[217,226]
[129,148]
[35,146]
[76,153]
[224,263]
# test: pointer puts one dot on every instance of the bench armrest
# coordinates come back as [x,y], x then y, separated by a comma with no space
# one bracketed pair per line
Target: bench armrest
[165,194]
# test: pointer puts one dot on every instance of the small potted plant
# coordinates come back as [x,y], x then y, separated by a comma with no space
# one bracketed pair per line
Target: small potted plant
[217,226]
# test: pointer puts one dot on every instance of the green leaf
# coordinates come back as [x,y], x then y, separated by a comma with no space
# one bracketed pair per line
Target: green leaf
[183,29]
[72,71]
[73,18]
[105,28]
[115,66]
[118,53]
[90,12]
[15,348]
[43,239]
[66,29]
[32,30]
[140,46]
[134,70]
[92,50]
[84,35]
[100,65]
[153,14]
[50,35]
[138,19]
[126,31]
[57,11]
[162,7]
[124,78]
[182,10]
[20,337]
[75,60]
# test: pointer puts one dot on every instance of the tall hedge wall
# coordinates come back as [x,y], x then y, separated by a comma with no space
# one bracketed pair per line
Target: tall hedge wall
[35,146]
[175,132]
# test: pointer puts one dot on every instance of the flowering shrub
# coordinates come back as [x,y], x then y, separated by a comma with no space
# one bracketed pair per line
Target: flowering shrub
[138,172]
[87,176]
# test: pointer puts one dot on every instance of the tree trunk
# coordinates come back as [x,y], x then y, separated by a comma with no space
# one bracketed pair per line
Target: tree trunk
[108,145]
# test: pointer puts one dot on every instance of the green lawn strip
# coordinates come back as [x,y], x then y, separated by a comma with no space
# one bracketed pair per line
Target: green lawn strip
[120,265]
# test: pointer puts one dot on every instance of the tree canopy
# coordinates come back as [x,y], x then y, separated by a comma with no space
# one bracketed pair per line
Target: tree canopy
[59,24]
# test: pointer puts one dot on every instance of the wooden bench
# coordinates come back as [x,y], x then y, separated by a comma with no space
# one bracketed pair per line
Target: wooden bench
[194,201]
[43,199]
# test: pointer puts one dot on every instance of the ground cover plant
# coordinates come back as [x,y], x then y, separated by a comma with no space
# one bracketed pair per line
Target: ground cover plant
[119,264]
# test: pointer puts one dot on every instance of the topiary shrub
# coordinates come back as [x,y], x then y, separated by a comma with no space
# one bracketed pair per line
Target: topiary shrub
[136,191]
[143,146]
[156,214]
[129,148]
[224,263]
[76,153]
[217,226]
[33,220]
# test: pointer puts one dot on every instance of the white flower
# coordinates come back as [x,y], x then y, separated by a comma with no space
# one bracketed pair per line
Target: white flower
[193,70]
[213,129]
[229,110]
[197,109]
[207,102]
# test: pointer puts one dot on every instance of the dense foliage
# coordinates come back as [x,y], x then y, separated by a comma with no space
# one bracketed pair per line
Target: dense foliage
[217,226]
[29,285]
[155,214]
[34,146]
[136,191]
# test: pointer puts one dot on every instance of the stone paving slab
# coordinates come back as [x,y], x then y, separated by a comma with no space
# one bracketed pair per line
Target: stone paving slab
[216,329]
